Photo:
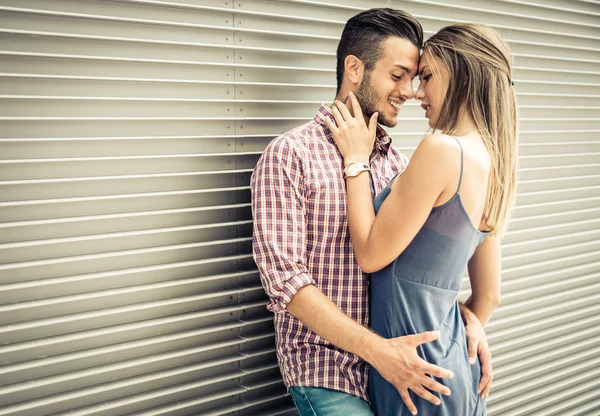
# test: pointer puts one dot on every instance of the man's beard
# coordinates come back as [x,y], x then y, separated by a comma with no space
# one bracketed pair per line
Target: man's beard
[368,98]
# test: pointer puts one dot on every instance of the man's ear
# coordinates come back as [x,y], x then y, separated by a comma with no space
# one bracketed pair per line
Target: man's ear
[354,69]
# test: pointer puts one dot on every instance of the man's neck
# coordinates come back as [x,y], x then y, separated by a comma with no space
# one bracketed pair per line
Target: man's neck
[345,98]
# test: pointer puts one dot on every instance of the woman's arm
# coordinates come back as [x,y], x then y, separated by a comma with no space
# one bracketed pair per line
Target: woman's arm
[484,273]
[377,241]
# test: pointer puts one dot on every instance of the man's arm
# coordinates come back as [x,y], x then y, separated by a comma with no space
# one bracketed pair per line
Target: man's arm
[279,234]
[279,247]
[396,359]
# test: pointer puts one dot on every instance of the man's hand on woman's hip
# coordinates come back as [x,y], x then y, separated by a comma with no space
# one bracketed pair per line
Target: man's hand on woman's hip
[397,360]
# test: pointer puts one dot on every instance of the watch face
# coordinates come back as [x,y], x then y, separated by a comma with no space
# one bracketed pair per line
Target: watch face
[355,168]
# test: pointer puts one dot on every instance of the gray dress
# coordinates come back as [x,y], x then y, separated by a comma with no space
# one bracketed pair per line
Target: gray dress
[418,292]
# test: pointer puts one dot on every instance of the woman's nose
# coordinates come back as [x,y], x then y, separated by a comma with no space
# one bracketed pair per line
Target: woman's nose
[420,93]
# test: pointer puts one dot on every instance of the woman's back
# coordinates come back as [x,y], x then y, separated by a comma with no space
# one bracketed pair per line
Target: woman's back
[418,292]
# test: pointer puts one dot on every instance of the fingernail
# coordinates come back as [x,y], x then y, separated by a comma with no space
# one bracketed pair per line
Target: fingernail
[414,412]
[448,392]
[472,360]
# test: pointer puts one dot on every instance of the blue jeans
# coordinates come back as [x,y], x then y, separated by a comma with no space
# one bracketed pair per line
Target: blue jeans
[319,401]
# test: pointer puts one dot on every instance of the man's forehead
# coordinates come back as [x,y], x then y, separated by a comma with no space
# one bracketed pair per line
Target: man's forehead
[409,66]
[400,54]
[405,68]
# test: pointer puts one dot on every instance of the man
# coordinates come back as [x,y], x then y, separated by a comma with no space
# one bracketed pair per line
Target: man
[301,242]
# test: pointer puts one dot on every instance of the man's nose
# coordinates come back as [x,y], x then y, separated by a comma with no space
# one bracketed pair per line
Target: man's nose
[408,90]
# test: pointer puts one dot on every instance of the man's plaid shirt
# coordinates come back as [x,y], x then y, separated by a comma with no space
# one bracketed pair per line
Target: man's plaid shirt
[301,237]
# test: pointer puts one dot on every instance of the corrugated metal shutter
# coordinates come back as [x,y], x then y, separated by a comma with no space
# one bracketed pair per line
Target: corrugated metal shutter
[128,133]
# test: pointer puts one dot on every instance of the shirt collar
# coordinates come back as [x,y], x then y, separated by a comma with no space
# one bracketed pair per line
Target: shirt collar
[383,141]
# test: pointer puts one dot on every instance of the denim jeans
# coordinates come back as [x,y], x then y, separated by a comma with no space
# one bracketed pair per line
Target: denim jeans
[319,401]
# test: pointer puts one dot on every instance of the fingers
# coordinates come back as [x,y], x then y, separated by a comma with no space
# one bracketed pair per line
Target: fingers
[433,385]
[408,401]
[343,109]
[373,124]
[487,375]
[331,125]
[423,337]
[436,371]
[426,395]
[339,119]
[473,346]
[486,390]
[355,105]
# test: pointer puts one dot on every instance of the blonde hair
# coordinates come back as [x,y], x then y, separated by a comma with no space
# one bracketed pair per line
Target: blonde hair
[480,84]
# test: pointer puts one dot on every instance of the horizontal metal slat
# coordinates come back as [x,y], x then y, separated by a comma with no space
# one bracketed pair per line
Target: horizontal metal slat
[583,404]
[120,205]
[20,107]
[568,234]
[25,82]
[98,243]
[74,43]
[207,353]
[569,263]
[583,275]
[103,318]
[107,261]
[549,402]
[535,197]
[527,333]
[97,338]
[120,392]
[533,301]
[538,222]
[573,7]
[539,256]
[24,309]
[540,357]
[429,14]
[553,307]
[549,385]
[121,222]
[49,327]
[210,338]
[542,376]
[555,208]
[247,13]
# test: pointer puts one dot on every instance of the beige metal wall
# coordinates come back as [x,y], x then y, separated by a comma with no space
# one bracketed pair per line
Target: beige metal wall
[128,132]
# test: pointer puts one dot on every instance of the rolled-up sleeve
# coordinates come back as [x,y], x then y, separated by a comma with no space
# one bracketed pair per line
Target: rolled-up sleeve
[279,231]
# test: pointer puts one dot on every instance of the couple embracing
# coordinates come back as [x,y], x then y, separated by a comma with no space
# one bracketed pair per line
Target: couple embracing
[361,253]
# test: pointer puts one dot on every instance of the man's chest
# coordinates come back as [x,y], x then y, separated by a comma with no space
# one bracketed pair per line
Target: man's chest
[325,204]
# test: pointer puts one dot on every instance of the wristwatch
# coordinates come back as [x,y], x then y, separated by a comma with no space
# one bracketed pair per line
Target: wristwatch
[354,169]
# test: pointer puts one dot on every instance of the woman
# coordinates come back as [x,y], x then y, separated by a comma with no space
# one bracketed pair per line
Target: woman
[443,214]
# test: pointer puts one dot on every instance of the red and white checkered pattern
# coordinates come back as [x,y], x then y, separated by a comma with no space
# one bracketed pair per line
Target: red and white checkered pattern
[301,237]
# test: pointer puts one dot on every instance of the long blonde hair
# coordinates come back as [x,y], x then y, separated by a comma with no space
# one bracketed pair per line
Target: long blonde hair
[480,84]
